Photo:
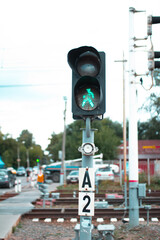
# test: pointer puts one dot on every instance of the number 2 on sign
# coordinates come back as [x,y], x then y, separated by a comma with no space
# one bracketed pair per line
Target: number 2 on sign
[86,204]
[85,210]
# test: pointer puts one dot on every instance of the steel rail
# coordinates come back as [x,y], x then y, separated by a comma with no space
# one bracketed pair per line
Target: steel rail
[99,213]
[116,201]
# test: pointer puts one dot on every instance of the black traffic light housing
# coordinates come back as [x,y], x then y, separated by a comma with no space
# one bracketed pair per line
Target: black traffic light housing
[88,82]
[152,64]
[151,20]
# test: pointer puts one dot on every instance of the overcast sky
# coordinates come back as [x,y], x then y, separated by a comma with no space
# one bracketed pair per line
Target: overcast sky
[35,37]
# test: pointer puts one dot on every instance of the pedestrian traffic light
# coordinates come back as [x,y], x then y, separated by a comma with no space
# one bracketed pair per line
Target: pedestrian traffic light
[152,64]
[88,82]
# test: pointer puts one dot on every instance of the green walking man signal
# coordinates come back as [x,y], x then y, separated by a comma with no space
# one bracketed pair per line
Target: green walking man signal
[88,98]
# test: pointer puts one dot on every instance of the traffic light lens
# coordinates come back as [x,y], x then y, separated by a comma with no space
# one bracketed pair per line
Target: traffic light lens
[88,64]
[88,94]
[87,98]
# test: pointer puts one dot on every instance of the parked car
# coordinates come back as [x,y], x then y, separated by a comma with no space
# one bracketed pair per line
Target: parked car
[7,178]
[21,171]
[104,173]
[73,177]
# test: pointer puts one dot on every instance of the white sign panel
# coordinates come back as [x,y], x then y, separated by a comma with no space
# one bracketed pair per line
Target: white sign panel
[86,179]
[86,204]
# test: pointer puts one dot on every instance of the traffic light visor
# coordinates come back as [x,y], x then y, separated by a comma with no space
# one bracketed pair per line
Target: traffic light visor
[88,64]
[85,61]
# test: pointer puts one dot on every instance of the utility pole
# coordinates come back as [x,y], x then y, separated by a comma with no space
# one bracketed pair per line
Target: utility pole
[28,163]
[63,172]
[124,130]
[18,157]
[133,130]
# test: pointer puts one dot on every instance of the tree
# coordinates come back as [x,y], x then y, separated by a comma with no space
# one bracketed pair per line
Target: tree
[153,105]
[107,138]
[157,76]
[35,152]
[22,154]
[9,152]
[149,129]
[55,145]
[26,138]
[74,139]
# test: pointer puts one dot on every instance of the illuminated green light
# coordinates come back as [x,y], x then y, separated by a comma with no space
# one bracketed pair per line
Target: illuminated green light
[88,98]
[37,160]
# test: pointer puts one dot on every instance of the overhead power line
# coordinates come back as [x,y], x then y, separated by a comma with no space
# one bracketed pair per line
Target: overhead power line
[27,85]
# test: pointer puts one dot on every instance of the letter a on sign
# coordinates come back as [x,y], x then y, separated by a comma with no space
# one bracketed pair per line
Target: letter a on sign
[86,179]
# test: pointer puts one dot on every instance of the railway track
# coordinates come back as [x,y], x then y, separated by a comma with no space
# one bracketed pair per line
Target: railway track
[106,214]
[7,195]
[63,211]
[69,193]
[112,201]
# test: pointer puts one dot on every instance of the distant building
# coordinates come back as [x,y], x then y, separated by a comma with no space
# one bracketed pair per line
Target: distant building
[148,155]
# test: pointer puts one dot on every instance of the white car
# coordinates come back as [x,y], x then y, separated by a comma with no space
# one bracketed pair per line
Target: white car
[73,177]
[21,171]
[104,173]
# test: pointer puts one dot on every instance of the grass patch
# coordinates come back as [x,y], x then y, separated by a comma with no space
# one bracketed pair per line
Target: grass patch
[154,181]
[103,185]
[16,227]
[68,187]
[109,185]
[115,186]
[13,229]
